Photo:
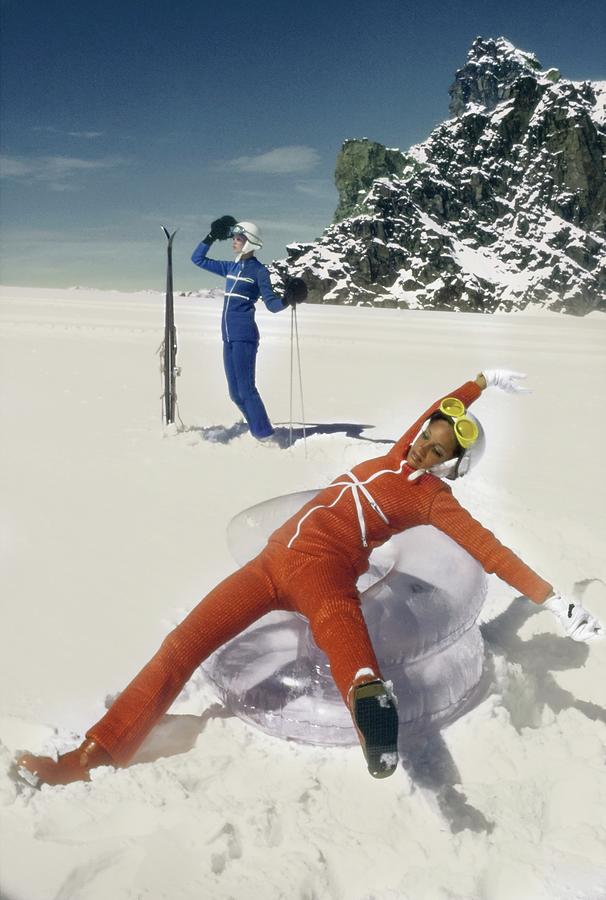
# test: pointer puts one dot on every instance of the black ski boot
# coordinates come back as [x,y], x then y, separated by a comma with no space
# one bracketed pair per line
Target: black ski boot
[373,707]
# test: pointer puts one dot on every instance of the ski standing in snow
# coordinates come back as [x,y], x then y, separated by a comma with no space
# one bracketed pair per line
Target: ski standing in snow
[168,348]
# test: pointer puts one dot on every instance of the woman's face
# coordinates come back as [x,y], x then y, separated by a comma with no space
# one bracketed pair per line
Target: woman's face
[237,242]
[435,444]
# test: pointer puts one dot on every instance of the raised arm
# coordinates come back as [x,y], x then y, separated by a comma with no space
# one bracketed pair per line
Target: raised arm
[199,258]
[504,379]
[467,393]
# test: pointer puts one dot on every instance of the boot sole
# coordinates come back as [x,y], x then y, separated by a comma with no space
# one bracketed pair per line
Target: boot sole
[376,719]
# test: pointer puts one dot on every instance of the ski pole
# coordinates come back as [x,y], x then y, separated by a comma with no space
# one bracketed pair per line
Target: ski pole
[294,327]
[300,380]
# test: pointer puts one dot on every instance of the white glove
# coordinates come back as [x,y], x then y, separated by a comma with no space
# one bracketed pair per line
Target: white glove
[506,380]
[576,622]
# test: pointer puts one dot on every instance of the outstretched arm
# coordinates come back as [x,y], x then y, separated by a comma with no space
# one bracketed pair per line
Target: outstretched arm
[449,516]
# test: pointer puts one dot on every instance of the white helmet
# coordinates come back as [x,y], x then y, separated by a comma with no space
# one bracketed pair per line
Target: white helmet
[252,233]
[458,466]
[471,456]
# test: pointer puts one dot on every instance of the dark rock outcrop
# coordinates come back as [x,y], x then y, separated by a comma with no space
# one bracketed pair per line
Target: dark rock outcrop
[358,164]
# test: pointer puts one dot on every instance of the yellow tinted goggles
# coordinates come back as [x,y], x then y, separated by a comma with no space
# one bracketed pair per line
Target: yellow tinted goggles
[465,429]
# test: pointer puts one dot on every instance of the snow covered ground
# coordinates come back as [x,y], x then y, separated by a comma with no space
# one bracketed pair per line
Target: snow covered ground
[110,530]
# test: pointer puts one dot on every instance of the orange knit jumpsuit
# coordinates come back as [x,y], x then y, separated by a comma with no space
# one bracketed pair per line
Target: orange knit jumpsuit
[311,565]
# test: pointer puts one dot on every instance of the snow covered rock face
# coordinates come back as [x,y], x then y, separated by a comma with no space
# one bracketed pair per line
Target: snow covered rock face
[504,205]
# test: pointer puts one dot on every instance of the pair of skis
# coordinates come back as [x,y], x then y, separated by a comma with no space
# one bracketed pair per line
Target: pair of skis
[169,346]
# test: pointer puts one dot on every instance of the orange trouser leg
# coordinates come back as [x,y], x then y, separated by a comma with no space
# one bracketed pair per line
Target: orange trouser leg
[325,593]
[232,606]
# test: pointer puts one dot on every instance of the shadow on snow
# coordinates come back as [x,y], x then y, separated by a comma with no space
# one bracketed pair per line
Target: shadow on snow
[284,435]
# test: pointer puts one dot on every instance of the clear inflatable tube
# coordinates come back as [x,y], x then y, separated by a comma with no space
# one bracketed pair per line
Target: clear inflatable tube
[421,598]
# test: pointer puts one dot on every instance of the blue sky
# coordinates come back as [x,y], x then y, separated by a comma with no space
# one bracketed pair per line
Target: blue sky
[119,117]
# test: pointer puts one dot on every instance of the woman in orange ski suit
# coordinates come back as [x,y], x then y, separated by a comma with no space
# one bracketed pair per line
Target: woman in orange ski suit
[310,565]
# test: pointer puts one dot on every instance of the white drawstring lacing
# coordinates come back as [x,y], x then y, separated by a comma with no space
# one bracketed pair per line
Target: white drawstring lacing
[355,486]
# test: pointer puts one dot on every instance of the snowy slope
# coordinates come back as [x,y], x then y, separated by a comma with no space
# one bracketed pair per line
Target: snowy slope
[110,530]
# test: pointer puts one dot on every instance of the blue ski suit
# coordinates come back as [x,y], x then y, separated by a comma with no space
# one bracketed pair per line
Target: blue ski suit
[245,281]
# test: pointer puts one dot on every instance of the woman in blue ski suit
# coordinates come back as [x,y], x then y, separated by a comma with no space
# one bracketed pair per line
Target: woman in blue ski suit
[246,279]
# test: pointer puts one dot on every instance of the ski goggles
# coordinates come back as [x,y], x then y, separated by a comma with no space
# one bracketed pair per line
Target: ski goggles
[465,429]
[239,231]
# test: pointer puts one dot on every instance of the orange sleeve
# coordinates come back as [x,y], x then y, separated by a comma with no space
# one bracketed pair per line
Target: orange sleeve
[467,393]
[449,516]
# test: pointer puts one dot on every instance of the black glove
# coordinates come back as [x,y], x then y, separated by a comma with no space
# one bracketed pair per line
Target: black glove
[295,291]
[220,229]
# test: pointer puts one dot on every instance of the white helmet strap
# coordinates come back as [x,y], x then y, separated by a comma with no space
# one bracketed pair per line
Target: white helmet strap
[448,468]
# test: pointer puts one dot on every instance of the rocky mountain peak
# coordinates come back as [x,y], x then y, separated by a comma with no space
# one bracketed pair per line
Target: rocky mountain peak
[502,206]
[491,73]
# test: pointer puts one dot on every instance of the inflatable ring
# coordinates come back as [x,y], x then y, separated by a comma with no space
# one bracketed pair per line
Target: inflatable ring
[420,597]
